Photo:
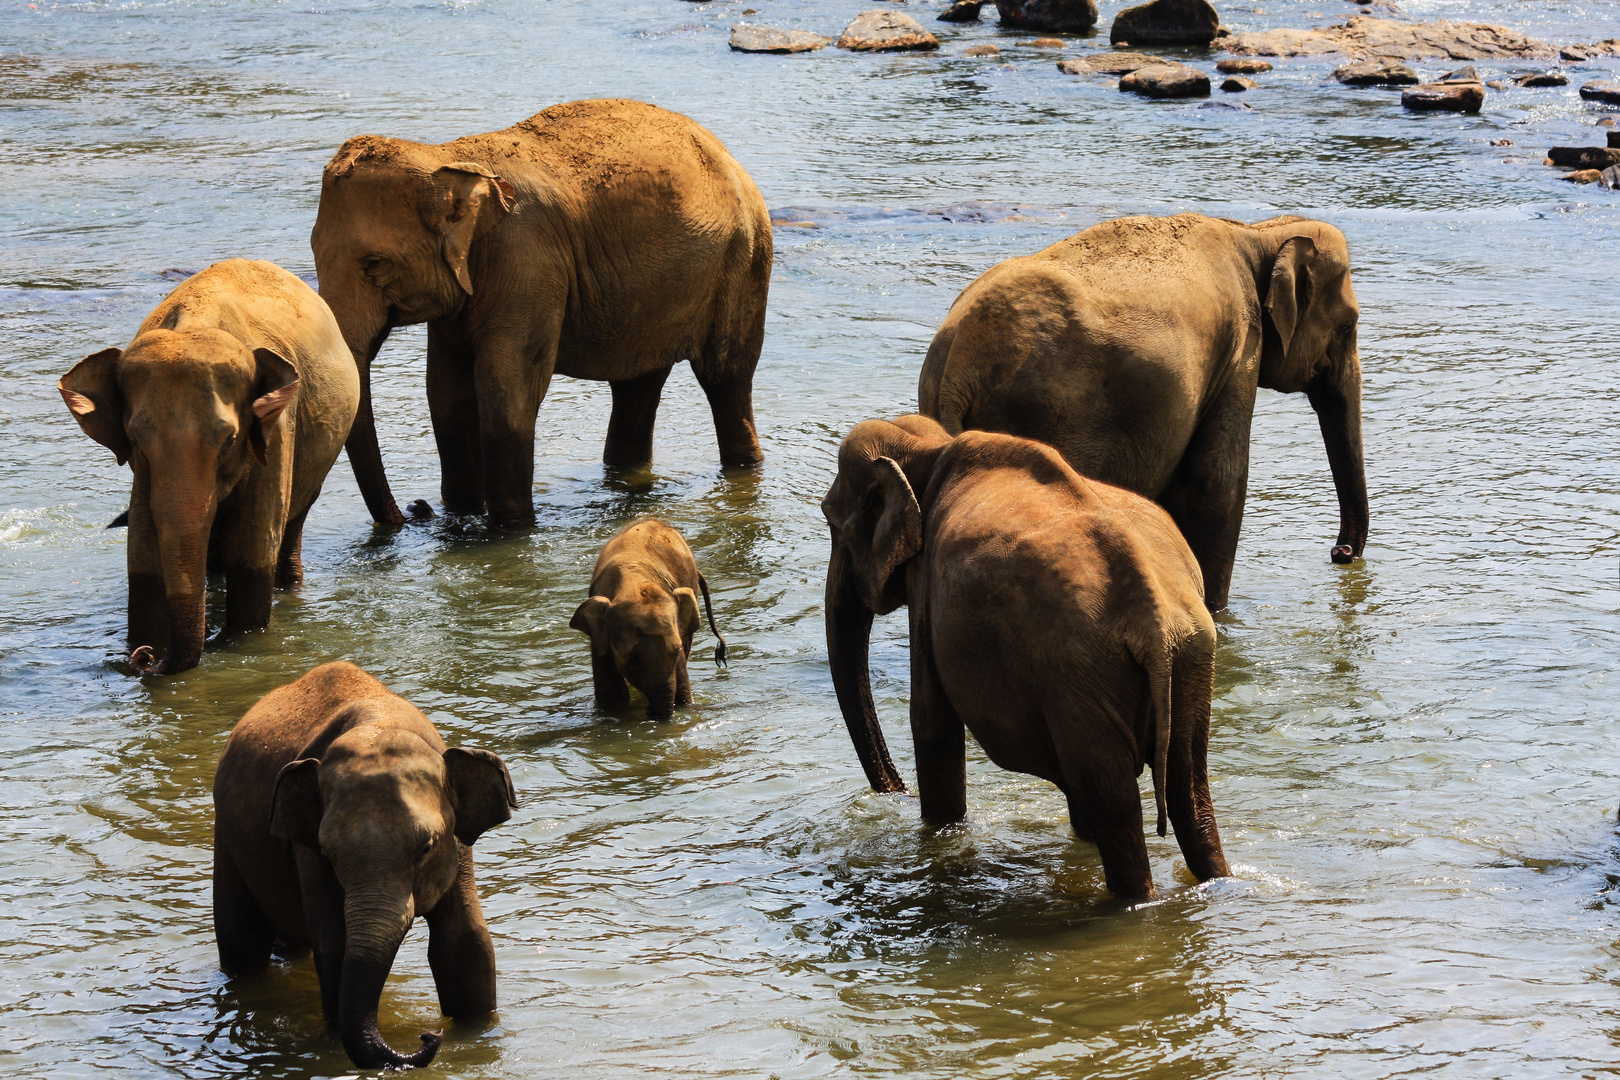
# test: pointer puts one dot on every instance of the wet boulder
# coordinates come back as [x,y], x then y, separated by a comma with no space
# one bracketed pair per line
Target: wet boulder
[962,11]
[1540,78]
[1376,73]
[1236,84]
[1614,139]
[1584,157]
[981,50]
[1166,22]
[1583,176]
[1601,90]
[1366,37]
[886,31]
[1610,178]
[1242,65]
[1166,81]
[1462,97]
[1462,74]
[767,39]
[1059,16]
[1110,63]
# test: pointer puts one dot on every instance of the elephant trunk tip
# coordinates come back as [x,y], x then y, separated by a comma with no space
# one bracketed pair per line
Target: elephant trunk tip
[431,1041]
[1343,554]
[143,660]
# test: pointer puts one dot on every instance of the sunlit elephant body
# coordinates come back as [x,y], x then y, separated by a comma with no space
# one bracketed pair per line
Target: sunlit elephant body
[1060,620]
[641,616]
[1136,347]
[600,240]
[339,816]
[230,405]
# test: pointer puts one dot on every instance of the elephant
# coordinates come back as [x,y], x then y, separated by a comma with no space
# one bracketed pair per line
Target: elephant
[339,817]
[230,406]
[641,615]
[600,240]
[1135,349]
[1060,620]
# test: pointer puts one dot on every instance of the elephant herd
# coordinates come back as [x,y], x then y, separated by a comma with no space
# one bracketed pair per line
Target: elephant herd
[1060,518]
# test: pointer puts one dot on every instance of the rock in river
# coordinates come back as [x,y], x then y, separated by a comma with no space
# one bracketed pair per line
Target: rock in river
[1166,22]
[886,31]
[1464,97]
[1584,157]
[1610,178]
[767,39]
[1060,16]
[1462,74]
[1110,63]
[962,11]
[1541,78]
[1365,36]
[1376,73]
[1599,90]
[1166,81]
[981,50]
[1236,84]
[1583,176]
[1242,66]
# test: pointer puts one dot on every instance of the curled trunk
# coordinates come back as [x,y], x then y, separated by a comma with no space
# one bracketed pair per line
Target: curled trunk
[374,930]
[849,632]
[1336,397]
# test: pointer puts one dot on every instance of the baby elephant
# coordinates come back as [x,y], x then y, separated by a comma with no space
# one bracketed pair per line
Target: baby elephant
[641,616]
[230,406]
[339,816]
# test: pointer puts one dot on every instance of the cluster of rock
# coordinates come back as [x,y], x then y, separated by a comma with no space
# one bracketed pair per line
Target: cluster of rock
[878,30]
[1157,22]
[1150,76]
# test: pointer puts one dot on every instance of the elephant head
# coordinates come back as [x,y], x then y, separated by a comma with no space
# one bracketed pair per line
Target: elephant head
[1309,328]
[876,520]
[390,813]
[393,244]
[187,410]
[646,633]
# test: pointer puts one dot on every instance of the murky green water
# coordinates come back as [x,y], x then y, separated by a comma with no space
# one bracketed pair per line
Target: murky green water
[1414,758]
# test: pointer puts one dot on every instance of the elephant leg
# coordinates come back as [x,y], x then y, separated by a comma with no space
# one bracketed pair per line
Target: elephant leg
[460,951]
[323,915]
[612,692]
[290,561]
[148,601]
[1206,495]
[630,428]
[241,928]
[938,735]
[510,387]
[725,365]
[1079,819]
[1192,812]
[1099,770]
[453,403]
[250,546]
[731,403]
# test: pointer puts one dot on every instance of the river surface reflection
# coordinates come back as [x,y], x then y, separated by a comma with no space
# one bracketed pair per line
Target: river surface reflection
[1413,757]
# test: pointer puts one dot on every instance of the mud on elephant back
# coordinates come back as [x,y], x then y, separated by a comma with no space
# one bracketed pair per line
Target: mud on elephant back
[603,240]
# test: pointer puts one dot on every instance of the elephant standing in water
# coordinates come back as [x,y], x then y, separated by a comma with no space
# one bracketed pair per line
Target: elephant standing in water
[599,240]
[1061,621]
[1135,348]
[339,817]
[230,405]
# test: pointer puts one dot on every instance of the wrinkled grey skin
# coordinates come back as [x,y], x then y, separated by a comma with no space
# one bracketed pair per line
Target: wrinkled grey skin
[339,817]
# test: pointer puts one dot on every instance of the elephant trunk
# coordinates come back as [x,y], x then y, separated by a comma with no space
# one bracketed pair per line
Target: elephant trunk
[365,327]
[374,926]
[183,504]
[1336,397]
[849,632]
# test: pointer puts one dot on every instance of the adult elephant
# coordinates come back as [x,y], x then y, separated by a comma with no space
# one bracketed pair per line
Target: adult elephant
[600,240]
[1060,620]
[1136,347]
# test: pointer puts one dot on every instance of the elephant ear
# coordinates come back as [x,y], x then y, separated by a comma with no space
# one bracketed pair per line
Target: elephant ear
[590,619]
[472,201]
[91,392]
[273,391]
[1292,289]
[686,612]
[481,789]
[891,517]
[295,816]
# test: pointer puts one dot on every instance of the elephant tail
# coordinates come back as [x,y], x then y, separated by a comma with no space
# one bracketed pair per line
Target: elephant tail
[1160,702]
[720,649]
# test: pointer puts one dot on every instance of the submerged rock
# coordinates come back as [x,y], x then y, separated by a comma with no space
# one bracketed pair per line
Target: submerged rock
[886,31]
[1242,66]
[1236,84]
[1601,90]
[1114,63]
[1583,176]
[1463,97]
[1610,178]
[1044,43]
[981,50]
[962,11]
[1541,78]
[768,39]
[1166,22]
[1462,74]
[1061,16]
[1166,81]
[1584,157]
[1376,73]
[1366,36]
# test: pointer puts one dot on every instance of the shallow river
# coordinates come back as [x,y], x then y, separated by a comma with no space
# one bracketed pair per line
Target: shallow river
[1414,757]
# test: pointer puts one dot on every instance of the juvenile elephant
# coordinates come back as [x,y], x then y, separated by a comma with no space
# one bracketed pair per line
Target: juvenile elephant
[641,615]
[339,817]
[1135,348]
[230,406]
[1060,620]
[599,240]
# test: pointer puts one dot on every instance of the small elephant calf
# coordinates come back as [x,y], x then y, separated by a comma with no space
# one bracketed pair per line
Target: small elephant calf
[339,816]
[641,616]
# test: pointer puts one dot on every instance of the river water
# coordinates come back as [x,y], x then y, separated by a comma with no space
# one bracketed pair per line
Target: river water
[1413,757]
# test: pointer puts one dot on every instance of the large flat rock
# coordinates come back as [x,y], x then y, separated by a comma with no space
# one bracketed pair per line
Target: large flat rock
[1109,63]
[1584,157]
[886,31]
[1463,97]
[1366,36]
[1166,81]
[767,39]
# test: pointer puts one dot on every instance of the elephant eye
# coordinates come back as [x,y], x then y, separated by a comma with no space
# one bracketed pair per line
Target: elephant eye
[425,849]
[374,267]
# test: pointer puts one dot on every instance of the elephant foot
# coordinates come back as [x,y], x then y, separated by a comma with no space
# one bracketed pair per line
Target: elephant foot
[419,511]
[1343,554]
